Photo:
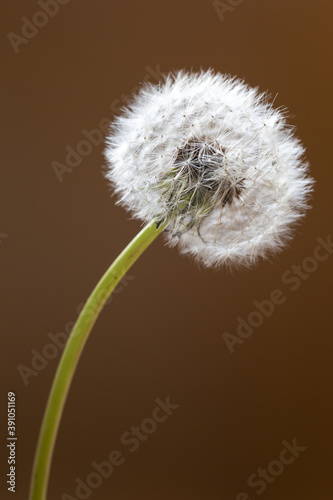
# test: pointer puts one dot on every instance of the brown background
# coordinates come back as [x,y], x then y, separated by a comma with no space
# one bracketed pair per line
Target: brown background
[162,335]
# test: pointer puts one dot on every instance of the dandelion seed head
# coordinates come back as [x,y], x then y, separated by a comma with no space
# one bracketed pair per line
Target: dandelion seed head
[208,155]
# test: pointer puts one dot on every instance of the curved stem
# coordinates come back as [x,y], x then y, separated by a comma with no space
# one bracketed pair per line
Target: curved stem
[72,352]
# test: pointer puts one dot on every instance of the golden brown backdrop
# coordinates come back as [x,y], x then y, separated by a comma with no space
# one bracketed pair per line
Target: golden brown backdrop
[162,333]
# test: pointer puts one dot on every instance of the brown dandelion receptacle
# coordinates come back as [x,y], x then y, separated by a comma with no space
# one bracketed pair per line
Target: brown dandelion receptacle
[199,179]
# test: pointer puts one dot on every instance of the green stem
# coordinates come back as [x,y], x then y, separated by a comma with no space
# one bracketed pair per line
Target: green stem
[72,352]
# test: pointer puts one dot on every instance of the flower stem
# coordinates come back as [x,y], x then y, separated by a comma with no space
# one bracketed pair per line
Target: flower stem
[72,352]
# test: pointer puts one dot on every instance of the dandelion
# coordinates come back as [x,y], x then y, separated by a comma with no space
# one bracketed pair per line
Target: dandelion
[206,160]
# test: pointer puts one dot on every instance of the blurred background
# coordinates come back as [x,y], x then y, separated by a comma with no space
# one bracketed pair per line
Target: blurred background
[67,69]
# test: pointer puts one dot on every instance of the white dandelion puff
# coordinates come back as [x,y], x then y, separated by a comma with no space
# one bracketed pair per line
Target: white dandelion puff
[209,156]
